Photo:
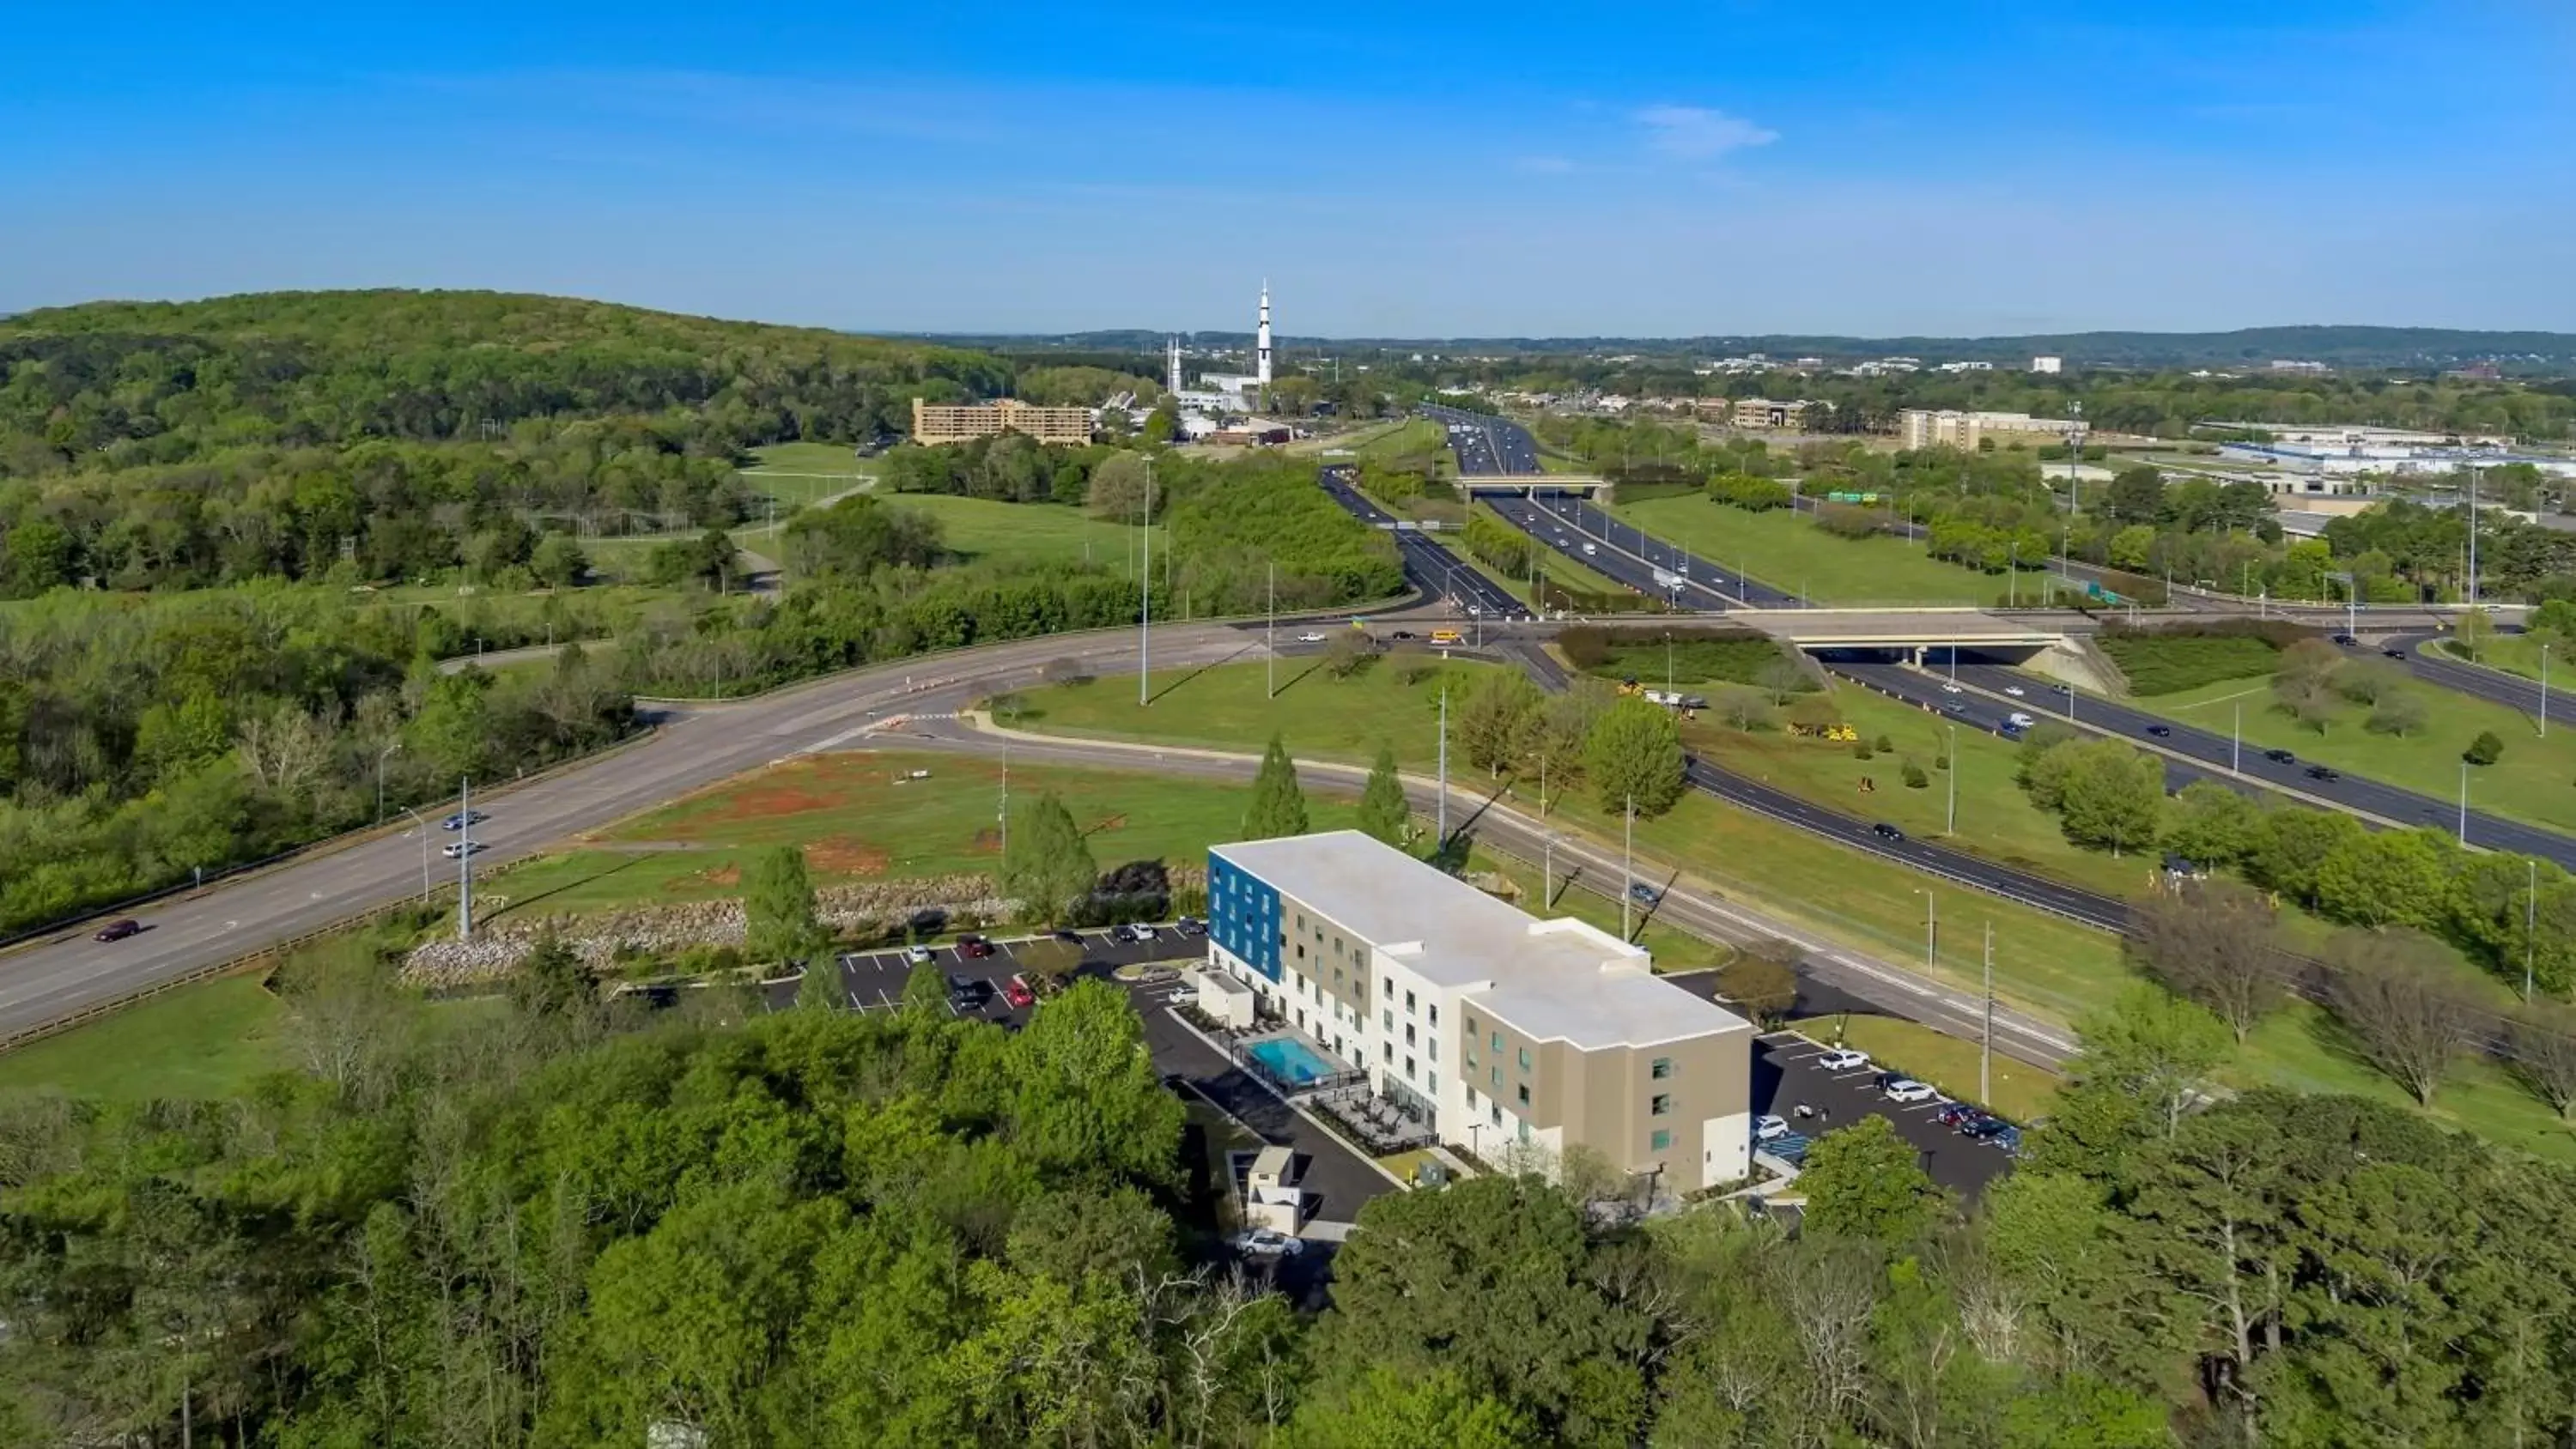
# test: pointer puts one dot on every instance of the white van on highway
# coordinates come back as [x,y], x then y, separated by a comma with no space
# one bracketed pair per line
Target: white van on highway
[2018,720]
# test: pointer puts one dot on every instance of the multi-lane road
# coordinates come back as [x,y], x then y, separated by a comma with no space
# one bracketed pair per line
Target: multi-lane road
[1574,527]
[1487,446]
[1429,569]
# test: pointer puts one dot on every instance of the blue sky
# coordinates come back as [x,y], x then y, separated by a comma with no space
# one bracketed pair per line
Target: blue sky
[1724,166]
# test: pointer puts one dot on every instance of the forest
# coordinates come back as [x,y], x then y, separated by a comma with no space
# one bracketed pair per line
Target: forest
[550,1221]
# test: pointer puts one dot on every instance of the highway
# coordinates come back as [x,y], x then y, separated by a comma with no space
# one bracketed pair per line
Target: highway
[2492,685]
[1570,524]
[1487,446]
[1429,569]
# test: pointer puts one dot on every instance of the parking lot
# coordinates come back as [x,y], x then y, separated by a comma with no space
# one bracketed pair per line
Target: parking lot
[1786,1077]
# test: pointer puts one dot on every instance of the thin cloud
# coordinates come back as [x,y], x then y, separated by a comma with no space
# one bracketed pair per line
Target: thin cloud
[1545,165]
[1696,133]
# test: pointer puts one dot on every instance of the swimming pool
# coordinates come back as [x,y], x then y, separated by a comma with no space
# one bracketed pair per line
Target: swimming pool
[1290,1060]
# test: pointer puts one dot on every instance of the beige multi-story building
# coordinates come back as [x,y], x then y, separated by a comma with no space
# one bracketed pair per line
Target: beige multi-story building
[956,422]
[1759,412]
[1504,1032]
[1950,428]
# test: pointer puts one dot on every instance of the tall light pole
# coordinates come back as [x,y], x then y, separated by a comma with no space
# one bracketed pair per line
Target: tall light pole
[1546,845]
[1951,825]
[465,859]
[396,745]
[1443,836]
[2530,922]
[424,851]
[2464,802]
[1270,640]
[1931,929]
[2473,538]
[1986,1044]
[2236,742]
[2544,690]
[1145,598]
[1627,867]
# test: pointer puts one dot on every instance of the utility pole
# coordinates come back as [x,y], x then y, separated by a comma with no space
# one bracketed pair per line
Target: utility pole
[2473,538]
[2530,922]
[2464,802]
[465,859]
[1546,845]
[1444,765]
[1627,868]
[2544,695]
[1931,930]
[2236,742]
[1986,1047]
[1145,600]
[1270,640]
[1006,802]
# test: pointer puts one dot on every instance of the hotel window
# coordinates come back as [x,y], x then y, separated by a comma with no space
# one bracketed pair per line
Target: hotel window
[1434,1079]
[1408,1033]
[1659,1106]
[1408,1003]
[1431,1048]
[1301,920]
[1390,986]
[1498,1079]
[1337,947]
[1471,1096]
[1388,1051]
[1662,1141]
[1408,1069]
[1662,1068]
[1524,1134]
[1387,1019]
[1471,1028]
[1525,1059]
[1498,1043]
[1495,1115]
[1524,1094]
[1435,1013]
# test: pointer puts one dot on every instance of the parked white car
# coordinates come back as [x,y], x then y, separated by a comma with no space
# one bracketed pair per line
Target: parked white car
[1766,1127]
[1843,1059]
[1267,1243]
[919,955]
[1906,1089]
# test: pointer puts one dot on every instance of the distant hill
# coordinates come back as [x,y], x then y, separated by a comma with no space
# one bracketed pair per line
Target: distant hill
[2341,346]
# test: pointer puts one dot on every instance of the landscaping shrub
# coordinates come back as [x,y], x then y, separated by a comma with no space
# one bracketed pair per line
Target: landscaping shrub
[2486,749]
[2169,660]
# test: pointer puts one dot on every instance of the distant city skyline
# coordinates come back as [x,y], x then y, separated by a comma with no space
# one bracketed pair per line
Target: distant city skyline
[1626,170]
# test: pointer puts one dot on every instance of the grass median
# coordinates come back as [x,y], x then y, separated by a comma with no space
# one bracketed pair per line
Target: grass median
[1786,550]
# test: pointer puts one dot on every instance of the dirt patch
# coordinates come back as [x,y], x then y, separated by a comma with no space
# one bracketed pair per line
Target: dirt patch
[726,876]
[1113,822]
[989,840]
[842,856]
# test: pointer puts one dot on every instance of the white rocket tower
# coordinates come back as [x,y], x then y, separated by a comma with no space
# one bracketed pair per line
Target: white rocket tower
[1261,339]
[1172,362]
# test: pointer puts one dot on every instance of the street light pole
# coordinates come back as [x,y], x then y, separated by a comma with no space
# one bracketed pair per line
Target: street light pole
[2530,922]
[2544,690]
[424,851]
[1627,867]
[1546,845]
[465,859]
[1986,1045]
[1145,599]
[2236,742]
[1270,640]
[1951,826]
[2464,802]
[396,745]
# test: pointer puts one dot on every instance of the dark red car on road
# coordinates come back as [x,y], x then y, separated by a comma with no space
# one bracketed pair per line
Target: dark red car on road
[119,930]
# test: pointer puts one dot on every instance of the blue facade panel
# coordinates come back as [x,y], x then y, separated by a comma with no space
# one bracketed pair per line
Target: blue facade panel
[1243,915]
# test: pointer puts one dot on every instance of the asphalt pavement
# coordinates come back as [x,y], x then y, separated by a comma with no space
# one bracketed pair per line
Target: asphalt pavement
[1787,1076]
[1429,569]
[1576,528]
[1486,445]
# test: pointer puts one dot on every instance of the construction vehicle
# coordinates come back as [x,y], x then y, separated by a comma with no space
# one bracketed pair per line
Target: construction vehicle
[1836,733]
[1447,636]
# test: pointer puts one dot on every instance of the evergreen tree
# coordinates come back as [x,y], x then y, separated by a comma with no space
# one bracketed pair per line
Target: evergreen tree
[1278,807]
[780,922]
[1047,866]
[821,988]
[553,984]
[1384,814]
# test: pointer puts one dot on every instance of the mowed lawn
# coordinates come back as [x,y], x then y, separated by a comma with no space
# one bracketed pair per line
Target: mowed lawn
[860,816]
[1319,716]
[1996,819]
[1040,532]
[2534,781]
[2048,965]
[804,472]
[2303,1048]
[198,1041]
[1786,550]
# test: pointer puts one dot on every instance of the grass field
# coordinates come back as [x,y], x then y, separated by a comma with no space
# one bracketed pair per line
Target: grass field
[800,473]
[2302,1048]
[1787,551]
[1038,532]
[204,1040]
[2534,781]
[1320,717]
[859,818]
[1688,661]
[2171,663]
[1996,819]
[2022,1092]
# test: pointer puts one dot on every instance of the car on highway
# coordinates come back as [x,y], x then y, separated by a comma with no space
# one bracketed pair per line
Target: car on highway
[1311,636]
[1644,894]
[1904,1089]
[1885,831]
[2281,757]
[2327,773]
[118,930]
[459,822]
[2346,640]
[1949,688]
[1843,1059]
[2160,731]
[2394,653]
[2019,720]
[1266,1243]
[1016,992]
[1767,1127]
[2015,690]
[1589,548]
[974,948]
[459,849]
[919,955]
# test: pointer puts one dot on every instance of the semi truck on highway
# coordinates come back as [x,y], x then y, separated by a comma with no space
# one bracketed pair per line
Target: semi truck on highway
[1668,580]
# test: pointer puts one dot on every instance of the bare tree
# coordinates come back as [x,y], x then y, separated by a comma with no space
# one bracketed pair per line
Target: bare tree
[1826,1286]
[2544,1053]
[2211,942]
[2394,991]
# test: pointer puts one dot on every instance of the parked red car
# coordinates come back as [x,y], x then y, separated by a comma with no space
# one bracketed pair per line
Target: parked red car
[974,947]
[1018,994]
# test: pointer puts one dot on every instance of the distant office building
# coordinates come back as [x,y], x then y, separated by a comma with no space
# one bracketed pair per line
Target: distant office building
[2051,365]
[958,422]
[1763,413]
[2282,364]
[1950,428]
[1495,1028]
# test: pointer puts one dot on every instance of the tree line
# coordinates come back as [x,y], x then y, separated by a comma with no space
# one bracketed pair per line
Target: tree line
[582,1223]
